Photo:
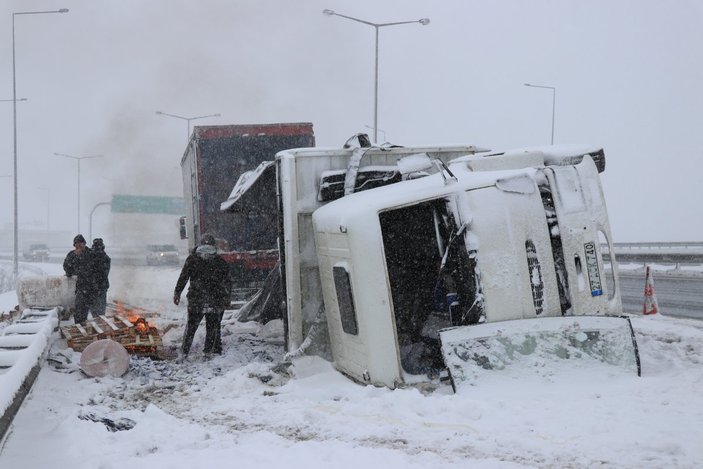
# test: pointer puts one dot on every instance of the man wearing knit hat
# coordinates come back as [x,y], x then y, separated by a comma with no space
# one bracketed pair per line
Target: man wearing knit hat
[78,262]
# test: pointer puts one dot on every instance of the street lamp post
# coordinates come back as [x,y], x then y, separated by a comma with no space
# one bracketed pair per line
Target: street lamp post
[188,119]
[14,123]
[376,26]
[7,101]
[90,220]
[554,100]
[78,160]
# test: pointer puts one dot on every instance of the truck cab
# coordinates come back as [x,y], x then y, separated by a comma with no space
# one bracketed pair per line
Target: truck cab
[385,250]
[490,238]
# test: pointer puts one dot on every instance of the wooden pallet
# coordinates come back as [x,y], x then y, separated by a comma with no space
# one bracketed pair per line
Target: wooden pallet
[117,328]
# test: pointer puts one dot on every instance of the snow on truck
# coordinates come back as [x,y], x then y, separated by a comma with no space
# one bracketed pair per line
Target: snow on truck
[214,159]
[400,263]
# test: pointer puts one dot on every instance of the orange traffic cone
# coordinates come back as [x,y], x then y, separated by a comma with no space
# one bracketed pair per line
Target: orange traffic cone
[650,297]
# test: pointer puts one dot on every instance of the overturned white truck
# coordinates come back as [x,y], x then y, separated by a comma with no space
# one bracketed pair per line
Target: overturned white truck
[419,259]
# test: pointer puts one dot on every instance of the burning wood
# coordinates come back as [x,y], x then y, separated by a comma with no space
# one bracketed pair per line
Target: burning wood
[119,308]
[126,326]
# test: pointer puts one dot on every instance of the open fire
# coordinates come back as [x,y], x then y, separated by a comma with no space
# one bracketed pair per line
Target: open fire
[143,327]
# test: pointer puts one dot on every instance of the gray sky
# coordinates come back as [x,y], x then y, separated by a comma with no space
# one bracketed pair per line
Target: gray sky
[628,76]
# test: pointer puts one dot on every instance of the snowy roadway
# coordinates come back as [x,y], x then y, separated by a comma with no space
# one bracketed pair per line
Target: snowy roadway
[679,293]
[233,411]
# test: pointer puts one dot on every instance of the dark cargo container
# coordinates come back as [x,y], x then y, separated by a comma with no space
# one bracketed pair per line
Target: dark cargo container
[215,158]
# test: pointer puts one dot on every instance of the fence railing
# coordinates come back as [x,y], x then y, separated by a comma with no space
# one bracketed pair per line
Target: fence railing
[677,252]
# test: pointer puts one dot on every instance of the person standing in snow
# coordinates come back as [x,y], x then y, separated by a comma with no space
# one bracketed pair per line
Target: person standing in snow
[78,262]
[101,271]
[208,294]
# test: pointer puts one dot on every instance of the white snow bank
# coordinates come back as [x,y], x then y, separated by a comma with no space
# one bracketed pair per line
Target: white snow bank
[15,365]
[233,411]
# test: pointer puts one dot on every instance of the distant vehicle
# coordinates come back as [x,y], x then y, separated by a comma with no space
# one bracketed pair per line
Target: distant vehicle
[36,253]
[162,254]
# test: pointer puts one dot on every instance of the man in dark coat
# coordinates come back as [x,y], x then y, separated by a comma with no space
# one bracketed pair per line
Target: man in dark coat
[101,271]
[208,294]
[78,262]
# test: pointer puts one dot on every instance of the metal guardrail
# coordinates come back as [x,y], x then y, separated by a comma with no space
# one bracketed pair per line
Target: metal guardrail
[686,252]
[119,256]
[658,246]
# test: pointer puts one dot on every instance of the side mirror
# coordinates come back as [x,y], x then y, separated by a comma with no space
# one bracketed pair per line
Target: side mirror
[414,163]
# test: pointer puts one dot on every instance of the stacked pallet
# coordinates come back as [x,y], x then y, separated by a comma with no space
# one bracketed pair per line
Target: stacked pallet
[137,337]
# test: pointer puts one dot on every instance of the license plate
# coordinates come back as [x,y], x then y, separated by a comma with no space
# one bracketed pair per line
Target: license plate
[593,270]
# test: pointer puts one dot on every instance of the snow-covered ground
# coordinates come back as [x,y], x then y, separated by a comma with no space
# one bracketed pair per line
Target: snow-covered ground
[234,411]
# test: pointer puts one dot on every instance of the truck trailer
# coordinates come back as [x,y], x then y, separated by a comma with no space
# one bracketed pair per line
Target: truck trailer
[214,159]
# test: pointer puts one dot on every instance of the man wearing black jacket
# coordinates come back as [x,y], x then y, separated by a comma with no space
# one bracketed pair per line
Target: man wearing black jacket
[78,262]
[208,294]
[101,270]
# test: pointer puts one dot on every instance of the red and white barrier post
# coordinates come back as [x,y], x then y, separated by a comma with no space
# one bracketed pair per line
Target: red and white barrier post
[650,297]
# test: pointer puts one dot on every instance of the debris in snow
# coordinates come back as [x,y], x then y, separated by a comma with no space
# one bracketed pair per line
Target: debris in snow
[112,425]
